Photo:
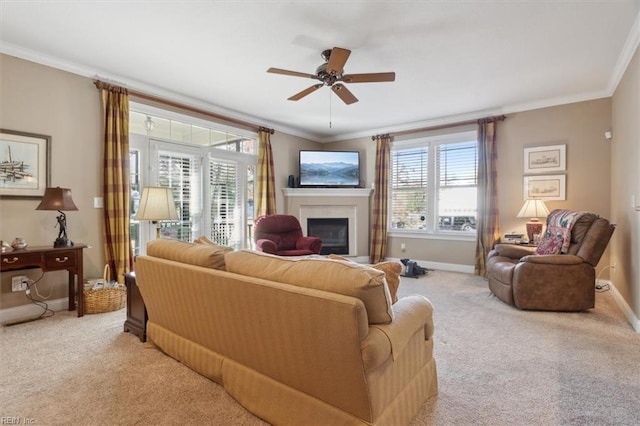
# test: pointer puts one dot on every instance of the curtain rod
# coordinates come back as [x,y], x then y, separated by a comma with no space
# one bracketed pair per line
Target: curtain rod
[442,126]
[143,96]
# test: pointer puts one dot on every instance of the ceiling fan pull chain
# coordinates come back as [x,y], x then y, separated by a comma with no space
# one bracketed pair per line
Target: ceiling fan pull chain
[330,109]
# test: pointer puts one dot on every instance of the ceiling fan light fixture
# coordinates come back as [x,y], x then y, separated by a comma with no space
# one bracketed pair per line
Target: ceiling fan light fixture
[332,72]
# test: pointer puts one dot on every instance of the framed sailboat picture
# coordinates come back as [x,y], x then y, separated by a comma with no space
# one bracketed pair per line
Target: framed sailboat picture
[24,164]
[544,159]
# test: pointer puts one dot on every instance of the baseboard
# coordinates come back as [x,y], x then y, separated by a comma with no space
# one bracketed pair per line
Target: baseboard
[624,306]
[451,267]
[26,312]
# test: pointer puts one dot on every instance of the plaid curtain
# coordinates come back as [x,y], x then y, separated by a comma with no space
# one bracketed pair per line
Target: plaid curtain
[488,227]
[116,190]
[379,210]
[266,188]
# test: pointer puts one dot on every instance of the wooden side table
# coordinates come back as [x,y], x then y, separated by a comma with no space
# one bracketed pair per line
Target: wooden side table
[51,259]
[136,322]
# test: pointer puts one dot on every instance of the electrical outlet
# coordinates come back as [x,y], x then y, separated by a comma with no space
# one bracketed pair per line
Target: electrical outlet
[19,283]
[403,247]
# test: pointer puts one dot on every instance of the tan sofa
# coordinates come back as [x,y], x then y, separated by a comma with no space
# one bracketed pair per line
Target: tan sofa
[295,341]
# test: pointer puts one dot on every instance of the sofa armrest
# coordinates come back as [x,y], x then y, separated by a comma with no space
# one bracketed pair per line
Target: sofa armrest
[411,314]
[309,243]
[537,280]
[512,251]
[553,259]
[266,246]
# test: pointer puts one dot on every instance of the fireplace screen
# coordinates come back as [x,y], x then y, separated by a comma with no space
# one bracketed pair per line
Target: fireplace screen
[334,233]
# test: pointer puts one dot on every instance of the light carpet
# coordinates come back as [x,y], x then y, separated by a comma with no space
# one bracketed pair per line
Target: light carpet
[496,366]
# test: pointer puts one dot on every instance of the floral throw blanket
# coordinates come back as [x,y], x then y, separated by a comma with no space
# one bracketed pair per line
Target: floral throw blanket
[557,237]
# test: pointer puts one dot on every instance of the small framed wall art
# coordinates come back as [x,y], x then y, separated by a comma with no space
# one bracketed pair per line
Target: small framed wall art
[545,187]
[545,159]
[24,164]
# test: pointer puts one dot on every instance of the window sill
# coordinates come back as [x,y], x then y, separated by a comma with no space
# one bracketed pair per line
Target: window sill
[442,235]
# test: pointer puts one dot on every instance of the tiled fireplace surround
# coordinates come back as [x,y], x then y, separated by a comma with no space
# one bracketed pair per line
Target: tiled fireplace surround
[350,203]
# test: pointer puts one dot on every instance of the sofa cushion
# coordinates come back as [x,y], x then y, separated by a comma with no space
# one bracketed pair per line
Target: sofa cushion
[208,255]
[392,271]
[347,278]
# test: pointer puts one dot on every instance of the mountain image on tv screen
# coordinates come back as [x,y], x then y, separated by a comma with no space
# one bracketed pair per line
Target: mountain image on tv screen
[329,168]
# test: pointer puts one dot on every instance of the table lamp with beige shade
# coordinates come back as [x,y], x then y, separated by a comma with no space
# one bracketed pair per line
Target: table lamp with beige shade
[156,204]
[533,209]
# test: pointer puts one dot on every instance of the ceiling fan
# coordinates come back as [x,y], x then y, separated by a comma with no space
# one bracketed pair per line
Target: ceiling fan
[331,74]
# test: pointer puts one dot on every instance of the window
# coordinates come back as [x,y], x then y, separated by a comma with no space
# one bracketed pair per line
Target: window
[434,184]
[210,170]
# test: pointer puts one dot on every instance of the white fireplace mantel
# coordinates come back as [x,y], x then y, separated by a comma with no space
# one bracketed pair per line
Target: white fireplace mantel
[326,192]
[350,203]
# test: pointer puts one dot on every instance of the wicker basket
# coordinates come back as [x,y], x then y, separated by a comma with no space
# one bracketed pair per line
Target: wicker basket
[104,299]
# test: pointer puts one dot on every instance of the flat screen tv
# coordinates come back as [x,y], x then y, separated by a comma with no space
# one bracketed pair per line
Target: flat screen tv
[329,169]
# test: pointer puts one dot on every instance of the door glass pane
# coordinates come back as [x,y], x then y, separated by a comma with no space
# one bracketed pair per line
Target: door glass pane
[178,172]
[224,208]
[251,172]
[134,182]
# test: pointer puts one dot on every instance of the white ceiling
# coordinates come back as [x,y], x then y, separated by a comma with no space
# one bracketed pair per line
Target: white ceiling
[453,60]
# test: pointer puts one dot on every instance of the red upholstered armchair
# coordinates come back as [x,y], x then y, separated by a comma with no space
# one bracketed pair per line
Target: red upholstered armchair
[281,234]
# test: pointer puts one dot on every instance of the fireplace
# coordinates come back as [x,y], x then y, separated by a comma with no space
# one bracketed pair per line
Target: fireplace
[334,233]
[326,203]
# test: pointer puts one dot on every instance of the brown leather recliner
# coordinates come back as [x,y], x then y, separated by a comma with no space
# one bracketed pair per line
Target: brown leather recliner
[557,282]
[281,234]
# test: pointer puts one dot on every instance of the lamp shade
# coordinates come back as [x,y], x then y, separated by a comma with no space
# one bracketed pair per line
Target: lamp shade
[156,203]
[57,199]
[533,208]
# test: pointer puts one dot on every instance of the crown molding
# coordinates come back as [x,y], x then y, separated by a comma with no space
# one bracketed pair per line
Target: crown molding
[71,67]
[630,46]
[628,50]
[510,109]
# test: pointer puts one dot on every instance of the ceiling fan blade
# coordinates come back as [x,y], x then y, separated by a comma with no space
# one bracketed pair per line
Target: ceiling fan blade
[337,59]
[292,73]
[369,78]
[305,92]
[344,93]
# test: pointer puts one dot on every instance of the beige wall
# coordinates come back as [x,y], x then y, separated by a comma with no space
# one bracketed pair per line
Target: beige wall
[42,100]
[285,149]
[625,187]
[67,107]
[580,126]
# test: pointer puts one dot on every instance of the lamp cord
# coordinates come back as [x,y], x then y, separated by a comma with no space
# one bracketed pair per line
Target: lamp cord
[603,287]
[47,312]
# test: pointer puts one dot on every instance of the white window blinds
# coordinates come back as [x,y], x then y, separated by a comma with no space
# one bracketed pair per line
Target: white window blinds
[409,183]
[434,184]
